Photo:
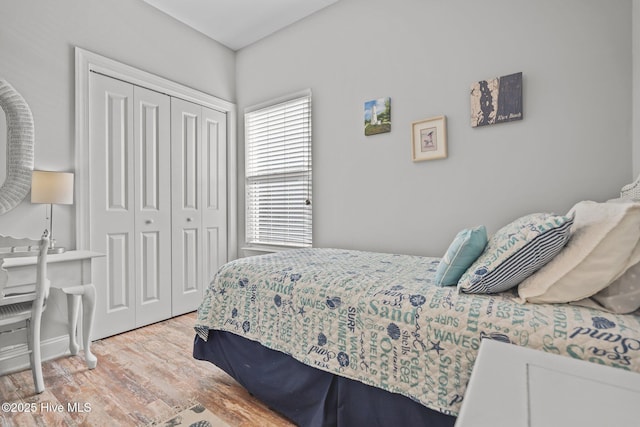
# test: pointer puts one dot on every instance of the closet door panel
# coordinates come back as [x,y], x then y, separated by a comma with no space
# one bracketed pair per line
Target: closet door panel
[188,283]
[214,191]
[112,201]
[189,143]
[149,277]
[118,295]
[186,219]
[152,164]
[212,252]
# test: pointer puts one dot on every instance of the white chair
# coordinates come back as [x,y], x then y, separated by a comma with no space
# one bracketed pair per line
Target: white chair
[25,304]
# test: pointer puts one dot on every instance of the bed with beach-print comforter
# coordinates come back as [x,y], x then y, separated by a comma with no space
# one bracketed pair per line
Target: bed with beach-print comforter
[379,319]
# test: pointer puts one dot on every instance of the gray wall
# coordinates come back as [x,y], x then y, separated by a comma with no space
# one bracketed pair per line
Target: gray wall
[574,142]
[37,38]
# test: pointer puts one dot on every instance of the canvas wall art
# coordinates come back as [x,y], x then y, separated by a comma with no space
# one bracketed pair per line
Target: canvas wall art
[377,116]
[497,100]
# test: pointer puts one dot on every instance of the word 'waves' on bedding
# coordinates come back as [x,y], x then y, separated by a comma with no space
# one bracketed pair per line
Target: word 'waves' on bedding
[379,319]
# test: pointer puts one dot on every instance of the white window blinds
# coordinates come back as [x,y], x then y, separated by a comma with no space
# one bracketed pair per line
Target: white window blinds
[278,173]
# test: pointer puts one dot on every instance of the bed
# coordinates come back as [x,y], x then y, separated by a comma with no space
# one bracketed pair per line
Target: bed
[342,337]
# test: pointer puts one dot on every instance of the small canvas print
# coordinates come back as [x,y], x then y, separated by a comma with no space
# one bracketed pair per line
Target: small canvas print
[497,100]
[377,116]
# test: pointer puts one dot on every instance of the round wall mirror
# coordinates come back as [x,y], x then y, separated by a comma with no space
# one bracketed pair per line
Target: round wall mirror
[19,148]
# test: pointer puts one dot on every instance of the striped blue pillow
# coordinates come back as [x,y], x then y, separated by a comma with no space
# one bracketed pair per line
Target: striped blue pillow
[515,252]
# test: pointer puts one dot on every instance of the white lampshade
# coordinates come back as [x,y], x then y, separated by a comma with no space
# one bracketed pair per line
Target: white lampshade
[52,187]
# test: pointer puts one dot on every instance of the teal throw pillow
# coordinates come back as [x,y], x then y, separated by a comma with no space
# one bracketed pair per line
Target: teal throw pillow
[463,251]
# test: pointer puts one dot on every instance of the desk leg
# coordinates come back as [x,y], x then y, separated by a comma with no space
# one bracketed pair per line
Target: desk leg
[86,293]
[88,308]
[73,306]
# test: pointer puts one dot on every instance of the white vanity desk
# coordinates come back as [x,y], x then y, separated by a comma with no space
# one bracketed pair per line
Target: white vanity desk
[69,272]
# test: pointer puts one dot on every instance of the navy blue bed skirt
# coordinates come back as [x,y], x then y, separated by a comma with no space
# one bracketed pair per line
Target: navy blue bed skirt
[307,396]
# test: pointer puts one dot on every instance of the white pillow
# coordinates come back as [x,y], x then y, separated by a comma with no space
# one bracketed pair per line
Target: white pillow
[623,295]
[601,248]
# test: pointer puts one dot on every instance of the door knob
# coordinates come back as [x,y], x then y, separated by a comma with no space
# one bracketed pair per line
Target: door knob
[149,221]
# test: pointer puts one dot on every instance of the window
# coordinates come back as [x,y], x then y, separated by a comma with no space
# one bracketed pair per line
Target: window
[278,172]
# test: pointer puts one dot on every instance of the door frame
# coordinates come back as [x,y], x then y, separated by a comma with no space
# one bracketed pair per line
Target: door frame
[87,62]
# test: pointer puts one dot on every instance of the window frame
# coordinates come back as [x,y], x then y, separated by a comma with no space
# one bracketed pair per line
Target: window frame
[304,175]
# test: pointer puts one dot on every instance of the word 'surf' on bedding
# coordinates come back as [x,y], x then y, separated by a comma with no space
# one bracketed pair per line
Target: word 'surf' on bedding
[381,320]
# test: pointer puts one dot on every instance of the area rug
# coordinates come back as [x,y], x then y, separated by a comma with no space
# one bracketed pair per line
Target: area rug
[194,416]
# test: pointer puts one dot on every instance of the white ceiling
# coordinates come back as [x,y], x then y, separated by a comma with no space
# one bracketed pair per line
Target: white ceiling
[238,23]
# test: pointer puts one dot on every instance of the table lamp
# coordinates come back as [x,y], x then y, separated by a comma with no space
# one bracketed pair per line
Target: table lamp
[52,188]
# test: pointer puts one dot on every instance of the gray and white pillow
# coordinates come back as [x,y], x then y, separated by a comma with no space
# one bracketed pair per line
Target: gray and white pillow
[515,252]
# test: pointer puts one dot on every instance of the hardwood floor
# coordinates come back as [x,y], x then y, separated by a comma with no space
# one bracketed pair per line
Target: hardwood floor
[142,376]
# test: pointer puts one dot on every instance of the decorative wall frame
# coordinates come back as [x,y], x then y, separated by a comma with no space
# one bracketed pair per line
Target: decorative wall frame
[20,141]
[496,100]
[377,116]
[429,139]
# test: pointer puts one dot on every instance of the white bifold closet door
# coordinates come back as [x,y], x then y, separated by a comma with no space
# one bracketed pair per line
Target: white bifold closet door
[130,204]
[158,203]
[198,183]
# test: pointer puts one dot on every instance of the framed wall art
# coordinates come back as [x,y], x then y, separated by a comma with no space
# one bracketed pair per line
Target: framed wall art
[497,100]
[429,139]
[377,116]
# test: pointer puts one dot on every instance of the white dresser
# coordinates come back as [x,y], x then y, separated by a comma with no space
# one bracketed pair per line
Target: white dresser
[516,386]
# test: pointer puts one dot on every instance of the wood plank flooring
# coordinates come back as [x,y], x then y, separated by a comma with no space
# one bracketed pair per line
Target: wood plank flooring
[142,376]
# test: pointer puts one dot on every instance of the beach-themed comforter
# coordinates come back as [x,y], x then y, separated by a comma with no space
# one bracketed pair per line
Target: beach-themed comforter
[378,318]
